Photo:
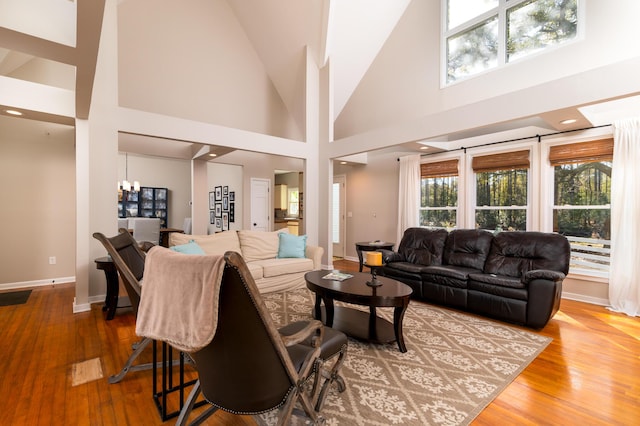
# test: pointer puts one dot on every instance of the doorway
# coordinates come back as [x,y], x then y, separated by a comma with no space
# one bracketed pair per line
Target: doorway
[338,196]
[260,204]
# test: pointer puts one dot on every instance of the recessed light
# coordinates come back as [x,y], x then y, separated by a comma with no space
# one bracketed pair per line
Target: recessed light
[424,147]
[213,155]
[343,162]
[12,112]
[568,121]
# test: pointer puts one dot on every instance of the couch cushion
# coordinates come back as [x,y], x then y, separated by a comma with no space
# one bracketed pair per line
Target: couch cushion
[276,267]
[214,244]
[454,276]
[467,247]
[497,280]
[515,253]
[256,270]
[423,246]
[258,245]
[291,245]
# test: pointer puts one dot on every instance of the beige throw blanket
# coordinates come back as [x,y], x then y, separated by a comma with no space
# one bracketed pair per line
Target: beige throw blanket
[179,299]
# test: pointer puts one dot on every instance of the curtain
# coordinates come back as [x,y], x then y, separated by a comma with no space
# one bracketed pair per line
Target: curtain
[408,194]
[624,276]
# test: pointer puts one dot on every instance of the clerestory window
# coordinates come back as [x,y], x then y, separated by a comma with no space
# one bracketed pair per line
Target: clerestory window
[484,34]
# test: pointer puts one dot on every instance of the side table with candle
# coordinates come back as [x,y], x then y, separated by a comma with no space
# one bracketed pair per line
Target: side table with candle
[367,246]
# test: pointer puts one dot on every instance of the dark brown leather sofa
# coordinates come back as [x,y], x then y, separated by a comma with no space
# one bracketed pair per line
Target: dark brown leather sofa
[512,276]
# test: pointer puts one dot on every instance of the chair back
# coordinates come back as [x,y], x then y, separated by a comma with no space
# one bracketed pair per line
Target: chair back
[129,261]
[146,229]
[123,223]
[246,368]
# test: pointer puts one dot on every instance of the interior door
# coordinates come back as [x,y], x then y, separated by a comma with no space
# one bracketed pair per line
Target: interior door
[338,219]
[260,204]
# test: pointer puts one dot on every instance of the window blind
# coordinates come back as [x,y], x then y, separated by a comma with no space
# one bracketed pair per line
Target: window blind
[439,169]
[583,152]
[504,161]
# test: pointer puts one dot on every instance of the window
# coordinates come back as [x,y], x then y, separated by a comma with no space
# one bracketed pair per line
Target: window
[501,191]
[293,202]
[439,194]
[483,34]
[582,196]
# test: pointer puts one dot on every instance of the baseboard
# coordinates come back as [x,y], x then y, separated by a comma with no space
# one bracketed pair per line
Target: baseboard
[585,299]
[37,283]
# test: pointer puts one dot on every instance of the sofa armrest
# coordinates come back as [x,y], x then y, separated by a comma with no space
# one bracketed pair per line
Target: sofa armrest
[314,253]
[389,256]
[542,274]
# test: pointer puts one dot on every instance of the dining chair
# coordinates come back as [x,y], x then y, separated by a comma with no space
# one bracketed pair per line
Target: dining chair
[146,229]
[247,367]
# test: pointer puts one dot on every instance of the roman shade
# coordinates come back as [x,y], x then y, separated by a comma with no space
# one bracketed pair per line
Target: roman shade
[439,169]
[583,152]
[504,161]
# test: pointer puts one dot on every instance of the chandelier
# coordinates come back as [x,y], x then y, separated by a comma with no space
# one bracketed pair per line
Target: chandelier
[126,184]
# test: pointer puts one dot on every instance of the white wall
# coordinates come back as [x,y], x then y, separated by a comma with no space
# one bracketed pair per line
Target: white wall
[37,169]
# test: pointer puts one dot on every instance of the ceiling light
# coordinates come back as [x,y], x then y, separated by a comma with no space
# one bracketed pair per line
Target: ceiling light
[213,155]
[568,121]
[126,184]
[12,112]
[343,162]
[424,147]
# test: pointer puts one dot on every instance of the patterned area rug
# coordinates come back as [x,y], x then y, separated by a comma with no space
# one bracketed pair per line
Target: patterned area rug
[455,366]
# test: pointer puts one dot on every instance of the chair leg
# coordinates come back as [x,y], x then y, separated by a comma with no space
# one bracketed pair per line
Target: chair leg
[188,407]
[329,377]
[138,348]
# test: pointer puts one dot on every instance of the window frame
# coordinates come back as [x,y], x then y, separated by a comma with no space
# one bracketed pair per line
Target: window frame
[501,12]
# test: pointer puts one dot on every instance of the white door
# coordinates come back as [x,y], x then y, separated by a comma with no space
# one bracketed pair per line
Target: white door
[338,211]
[260,204]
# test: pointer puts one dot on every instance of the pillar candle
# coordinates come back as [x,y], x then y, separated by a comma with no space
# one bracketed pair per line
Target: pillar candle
[374,258]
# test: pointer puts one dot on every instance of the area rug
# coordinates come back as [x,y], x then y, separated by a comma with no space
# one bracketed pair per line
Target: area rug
[14,298]
[456,364]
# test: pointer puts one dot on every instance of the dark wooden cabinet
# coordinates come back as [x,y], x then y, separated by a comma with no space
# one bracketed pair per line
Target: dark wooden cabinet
[148,202]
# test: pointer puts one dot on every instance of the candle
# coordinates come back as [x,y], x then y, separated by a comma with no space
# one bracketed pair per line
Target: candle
[374,258]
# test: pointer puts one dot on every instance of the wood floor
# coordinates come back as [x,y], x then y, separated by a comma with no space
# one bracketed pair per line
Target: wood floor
[588,375]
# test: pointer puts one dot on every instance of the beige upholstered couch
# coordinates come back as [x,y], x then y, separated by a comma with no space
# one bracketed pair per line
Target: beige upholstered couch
[259,250]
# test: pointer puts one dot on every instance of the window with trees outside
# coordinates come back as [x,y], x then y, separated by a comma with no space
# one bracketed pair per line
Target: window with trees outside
[294,202]
[501,191]
[439,194]
[484,34]
[582,197]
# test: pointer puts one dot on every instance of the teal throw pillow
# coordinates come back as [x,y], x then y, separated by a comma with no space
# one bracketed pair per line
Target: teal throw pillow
[190,248]
[291,245]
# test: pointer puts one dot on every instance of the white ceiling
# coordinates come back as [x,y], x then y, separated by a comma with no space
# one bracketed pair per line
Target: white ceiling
[347,35]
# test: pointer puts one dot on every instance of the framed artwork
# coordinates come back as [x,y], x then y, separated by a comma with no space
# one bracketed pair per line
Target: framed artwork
[218,190]
[225,221]
[232,212]
[225,204]
[218,210]
[218,222]
[225,190]
[212,217]
[212,199]
[232,196]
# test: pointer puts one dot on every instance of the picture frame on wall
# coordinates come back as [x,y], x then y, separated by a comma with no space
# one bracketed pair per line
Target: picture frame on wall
[225,204]
[232,195]
[232,212]
[212,200]
[218,190]
[218,210]
[211,217]
[218,222]
[225,221]
[225,190]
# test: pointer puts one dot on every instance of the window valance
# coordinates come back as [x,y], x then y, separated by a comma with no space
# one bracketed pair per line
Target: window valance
[439,169]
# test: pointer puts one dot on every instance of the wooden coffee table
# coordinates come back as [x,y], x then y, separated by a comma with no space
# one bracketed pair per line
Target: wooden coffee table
[356,323]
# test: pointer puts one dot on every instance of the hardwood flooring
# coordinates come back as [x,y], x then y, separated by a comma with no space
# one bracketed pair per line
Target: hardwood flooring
[588,375]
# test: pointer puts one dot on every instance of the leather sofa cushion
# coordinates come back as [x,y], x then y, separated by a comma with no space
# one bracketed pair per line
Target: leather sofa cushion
[515,253]
[449,271]
[406,267]
[467,247]
[423,246]
[501,290]
[497,280]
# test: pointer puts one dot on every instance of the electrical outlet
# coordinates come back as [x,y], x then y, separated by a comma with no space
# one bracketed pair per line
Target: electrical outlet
[52,260]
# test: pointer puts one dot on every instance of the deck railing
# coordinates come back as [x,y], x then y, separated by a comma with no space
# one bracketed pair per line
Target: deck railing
[590,256]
